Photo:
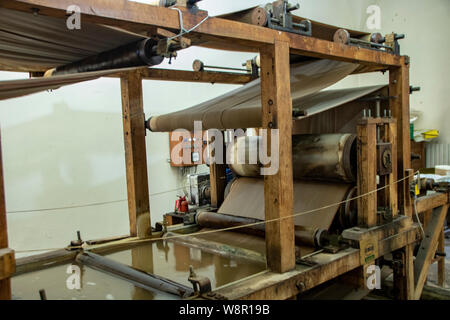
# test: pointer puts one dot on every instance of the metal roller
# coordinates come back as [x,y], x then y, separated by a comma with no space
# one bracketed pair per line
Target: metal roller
[142,279]
[303,236]
[328,157]
[136,54]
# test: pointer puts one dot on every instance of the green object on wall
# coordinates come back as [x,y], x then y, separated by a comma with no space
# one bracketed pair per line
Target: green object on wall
[412,131]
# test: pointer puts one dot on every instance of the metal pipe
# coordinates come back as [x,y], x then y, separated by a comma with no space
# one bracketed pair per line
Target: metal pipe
[303,236]
[140,278]
[136,54]
[330,157]
[198,66]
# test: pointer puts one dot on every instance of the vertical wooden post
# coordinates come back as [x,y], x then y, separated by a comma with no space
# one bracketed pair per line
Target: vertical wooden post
[393,187]
[5,283]
[218,178]
[399,88]
[135,155]
[404,274]
[278,188]
[441,262]
[367,173]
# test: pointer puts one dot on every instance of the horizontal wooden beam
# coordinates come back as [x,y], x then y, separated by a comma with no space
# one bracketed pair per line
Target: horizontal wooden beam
[142,18]
[270,285]
[7,263]
[193,76]
[430,202]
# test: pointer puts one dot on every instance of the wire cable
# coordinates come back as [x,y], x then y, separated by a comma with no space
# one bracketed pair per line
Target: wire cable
[94,204]
[183,31]
[241,226]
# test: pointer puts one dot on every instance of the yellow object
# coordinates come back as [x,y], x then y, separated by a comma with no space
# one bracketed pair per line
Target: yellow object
[431,134]
[417,191]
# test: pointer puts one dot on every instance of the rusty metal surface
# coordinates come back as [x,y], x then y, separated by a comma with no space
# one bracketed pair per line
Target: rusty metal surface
[303,236]
[330,157]
[246,199]
[326,157]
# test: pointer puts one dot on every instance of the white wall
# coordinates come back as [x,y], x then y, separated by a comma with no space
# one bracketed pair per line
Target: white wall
[65,148]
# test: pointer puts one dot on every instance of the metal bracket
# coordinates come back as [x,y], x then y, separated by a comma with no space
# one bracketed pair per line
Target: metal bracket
[202,285]
[279,17]
[76,244]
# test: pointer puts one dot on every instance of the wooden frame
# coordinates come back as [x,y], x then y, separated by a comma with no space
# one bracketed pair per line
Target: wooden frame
[285,279]
[427,249]
[276,104]
[7,259]
[136,155]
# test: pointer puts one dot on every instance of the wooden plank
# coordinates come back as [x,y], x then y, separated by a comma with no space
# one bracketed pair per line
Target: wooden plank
[428,248]
[275,286]
[193,76]
[63,256]
[44,260]
[367,172]
[218,180]
[393,186]
[190,76]
[7,263]
[323,49]
[418,149]
[270,285]
[5,284]
[278,187]
[217,172]
[399,88]
[135,155]
[404,274]
[431,201]
[140,18]
[441,261]
[380,232]
[3,224]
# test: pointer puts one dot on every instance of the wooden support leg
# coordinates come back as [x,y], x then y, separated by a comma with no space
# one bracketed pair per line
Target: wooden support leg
[428,248]
[367,173]
[135,154]
[217,178]
[404,273]
[441,262]
[399,88]
[278,188]
[393,187]
[7,261]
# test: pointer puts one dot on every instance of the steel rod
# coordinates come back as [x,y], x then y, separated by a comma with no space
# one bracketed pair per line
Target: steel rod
[303,235]
[140,278]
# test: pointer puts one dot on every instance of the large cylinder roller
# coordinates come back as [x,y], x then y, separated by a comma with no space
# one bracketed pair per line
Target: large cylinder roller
[136,54]
[329,157]
[314,237]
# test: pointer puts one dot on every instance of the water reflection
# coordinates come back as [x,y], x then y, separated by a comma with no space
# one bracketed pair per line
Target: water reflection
[165,259]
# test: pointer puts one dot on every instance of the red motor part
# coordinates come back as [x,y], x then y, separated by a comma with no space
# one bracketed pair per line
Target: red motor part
[181,205]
